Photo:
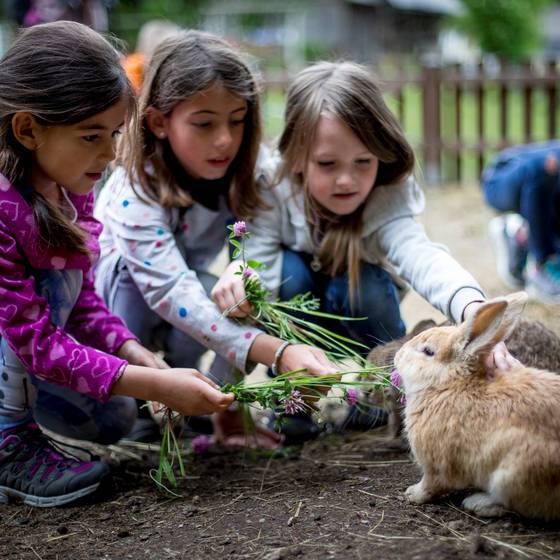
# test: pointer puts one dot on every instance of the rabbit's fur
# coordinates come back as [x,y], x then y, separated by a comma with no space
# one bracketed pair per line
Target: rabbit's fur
[500,434]
[532,343]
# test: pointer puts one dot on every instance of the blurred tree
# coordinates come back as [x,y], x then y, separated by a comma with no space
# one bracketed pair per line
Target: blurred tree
[128,16]
[507,28]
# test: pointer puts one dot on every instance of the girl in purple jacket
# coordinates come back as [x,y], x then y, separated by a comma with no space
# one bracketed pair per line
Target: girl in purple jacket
[65,361]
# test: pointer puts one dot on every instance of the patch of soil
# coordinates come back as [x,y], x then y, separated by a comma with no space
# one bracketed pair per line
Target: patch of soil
[337,497]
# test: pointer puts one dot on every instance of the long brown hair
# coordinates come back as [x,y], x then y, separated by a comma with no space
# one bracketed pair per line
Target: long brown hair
[351,93]
[62,73]
[182,66]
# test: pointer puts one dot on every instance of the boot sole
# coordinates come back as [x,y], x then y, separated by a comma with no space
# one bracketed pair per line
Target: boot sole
[9,494]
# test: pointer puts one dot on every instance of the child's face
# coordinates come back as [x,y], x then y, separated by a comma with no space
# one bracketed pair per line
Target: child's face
[75,156]
[341,171]
[206,131]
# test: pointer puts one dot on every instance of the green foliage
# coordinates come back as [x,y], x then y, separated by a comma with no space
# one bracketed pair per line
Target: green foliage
[507,28]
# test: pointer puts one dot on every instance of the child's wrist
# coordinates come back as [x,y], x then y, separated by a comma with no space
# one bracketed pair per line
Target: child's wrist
[275,366]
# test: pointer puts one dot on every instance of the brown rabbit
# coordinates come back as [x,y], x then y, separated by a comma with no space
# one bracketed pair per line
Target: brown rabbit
[532,343]
[500,434]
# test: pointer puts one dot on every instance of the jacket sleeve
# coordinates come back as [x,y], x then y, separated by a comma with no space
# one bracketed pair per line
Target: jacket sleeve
[169,287]
[92,323]
[428,267]
[265,243]
[46,350]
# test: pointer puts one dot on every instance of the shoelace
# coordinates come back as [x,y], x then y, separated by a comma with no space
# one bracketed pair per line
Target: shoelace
[44,448]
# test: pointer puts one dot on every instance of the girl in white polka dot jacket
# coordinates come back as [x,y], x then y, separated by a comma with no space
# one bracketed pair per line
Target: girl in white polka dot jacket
[186,172]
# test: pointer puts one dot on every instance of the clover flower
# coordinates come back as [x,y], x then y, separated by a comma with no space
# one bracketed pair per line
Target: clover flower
[239,229]
[351,396]
[200,444]
[293,403]
[395,379]
[247,273]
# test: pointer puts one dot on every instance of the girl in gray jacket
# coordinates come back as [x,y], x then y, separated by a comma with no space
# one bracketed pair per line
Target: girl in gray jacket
[340,219]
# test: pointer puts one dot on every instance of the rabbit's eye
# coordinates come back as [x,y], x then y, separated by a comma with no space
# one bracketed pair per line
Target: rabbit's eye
[428,351]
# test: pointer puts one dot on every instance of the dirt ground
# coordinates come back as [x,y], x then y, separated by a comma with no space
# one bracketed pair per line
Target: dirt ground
[336,497]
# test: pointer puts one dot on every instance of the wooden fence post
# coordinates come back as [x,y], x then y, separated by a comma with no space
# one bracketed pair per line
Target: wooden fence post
[431,123]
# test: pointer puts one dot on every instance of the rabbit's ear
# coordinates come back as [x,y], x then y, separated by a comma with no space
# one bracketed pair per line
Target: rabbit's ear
[491,323]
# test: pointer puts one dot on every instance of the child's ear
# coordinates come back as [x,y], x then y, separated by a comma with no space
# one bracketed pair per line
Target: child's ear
[27,130]
[156,122]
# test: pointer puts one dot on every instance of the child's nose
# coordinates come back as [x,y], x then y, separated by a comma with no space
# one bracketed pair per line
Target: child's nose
[224,137]
[344,180]
[109,150]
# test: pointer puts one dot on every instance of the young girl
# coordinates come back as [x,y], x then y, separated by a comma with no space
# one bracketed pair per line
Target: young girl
[65,360]
[189,168]
[340,217]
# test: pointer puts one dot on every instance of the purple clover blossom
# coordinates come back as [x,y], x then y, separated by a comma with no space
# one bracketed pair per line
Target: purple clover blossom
[351,396]
[395,379]
[293,403]
[200,444]
[239,229]
[247,273]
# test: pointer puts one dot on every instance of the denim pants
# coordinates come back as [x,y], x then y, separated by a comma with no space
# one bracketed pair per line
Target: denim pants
[532,192]
[377,300]
[23,397]
[125,300]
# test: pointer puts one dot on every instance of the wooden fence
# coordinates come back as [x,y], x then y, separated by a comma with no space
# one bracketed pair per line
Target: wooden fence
[457,117]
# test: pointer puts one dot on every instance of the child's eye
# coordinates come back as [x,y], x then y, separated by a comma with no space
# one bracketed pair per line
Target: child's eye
[202,124]
[364,161]
[91,137]
[238,122]
[428,351]
[325,163]
[116,133]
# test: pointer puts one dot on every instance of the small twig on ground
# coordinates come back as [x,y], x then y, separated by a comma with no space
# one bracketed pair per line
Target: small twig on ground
[378,523]
[35,552]
[483,521]
[60,537]
[296,514]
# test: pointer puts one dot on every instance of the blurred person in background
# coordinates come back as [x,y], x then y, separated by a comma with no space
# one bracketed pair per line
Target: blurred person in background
[32,12]
[524,182]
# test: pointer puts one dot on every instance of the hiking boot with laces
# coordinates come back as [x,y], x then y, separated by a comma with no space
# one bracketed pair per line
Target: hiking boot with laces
[543,281]
[33,471]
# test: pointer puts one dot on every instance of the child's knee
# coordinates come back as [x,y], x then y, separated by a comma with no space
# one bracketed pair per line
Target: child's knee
[297,277]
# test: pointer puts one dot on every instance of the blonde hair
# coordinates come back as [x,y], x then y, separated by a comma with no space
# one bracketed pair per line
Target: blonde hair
[182,66]
[352,94]
[62,73]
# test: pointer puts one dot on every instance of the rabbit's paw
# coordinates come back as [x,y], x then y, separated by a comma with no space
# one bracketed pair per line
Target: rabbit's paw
[418,494]
[483,505]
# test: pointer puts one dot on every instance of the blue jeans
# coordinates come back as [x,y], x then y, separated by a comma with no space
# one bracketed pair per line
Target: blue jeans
[377,300]
[522,185]
[23,397]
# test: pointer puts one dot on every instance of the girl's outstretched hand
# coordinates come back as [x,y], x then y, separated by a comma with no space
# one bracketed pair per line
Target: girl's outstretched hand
[298,356]
[191,393]
[136,354]
[229,293]
[184,390]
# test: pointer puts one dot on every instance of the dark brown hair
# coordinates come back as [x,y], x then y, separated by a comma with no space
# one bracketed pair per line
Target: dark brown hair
[182,66]
[62,73]
[352,94]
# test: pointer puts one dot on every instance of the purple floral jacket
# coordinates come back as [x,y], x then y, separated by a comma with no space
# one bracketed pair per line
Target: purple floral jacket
[78,356]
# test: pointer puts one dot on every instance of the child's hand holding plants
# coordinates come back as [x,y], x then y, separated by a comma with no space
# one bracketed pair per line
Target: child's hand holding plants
[229,292]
